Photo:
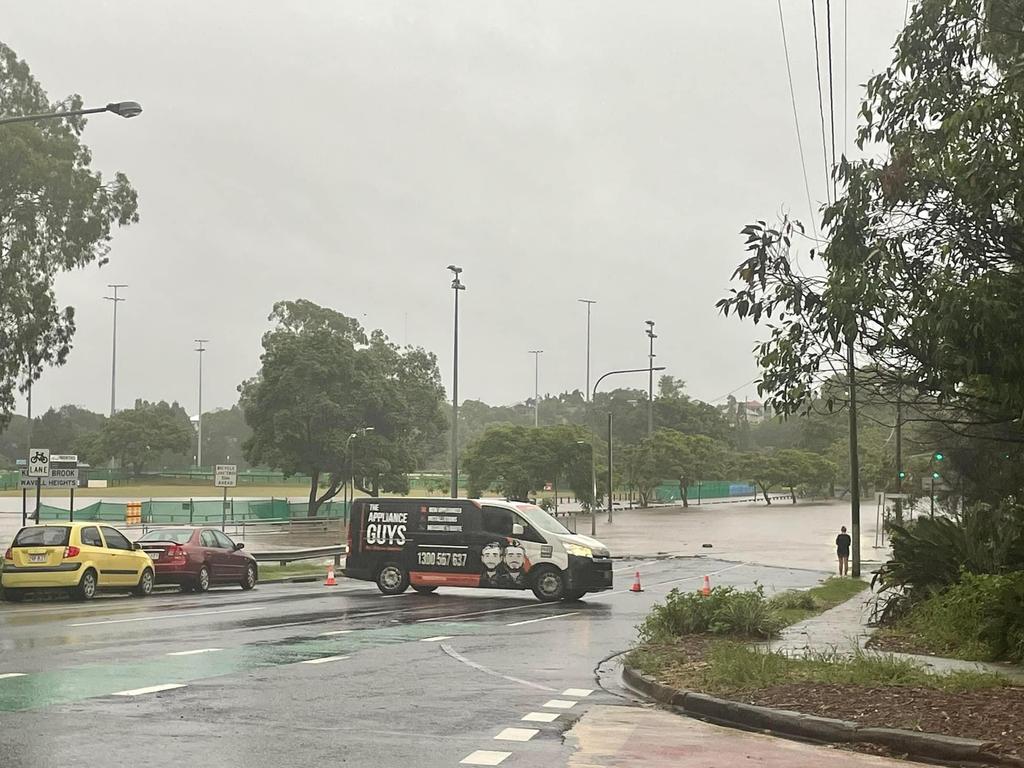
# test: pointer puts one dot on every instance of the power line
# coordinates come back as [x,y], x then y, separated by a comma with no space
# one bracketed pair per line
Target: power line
[796,122]
[821,103]
[831,92]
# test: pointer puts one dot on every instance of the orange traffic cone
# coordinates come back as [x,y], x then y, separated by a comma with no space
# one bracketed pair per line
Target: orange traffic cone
[706,589]
[636,584]
[330,577]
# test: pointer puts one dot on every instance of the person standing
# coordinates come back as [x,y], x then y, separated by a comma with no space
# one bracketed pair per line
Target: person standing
[843,542]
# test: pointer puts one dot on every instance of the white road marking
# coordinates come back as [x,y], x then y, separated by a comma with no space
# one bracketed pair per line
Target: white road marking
[481,668]
[193,653]
[546,618]
[482,613]
[517,734]
[635,567]
[324,660]
[559,704]
[336,632]
[150,689]
[484,757]
[577,692]
[166,618]
[541,717]
[435,639]
[7,675]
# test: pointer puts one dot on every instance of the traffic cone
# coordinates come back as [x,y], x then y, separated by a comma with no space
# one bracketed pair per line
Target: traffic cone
[330,577]
[706,589]
[636,584]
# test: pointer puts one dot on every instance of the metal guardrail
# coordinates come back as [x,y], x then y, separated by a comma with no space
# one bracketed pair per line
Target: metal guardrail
[286,556]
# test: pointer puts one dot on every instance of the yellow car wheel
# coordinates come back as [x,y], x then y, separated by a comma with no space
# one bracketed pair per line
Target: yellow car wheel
[86,589]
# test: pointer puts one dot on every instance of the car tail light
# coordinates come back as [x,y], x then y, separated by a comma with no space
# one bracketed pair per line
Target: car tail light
[177,552]
[71,552]
[9,554]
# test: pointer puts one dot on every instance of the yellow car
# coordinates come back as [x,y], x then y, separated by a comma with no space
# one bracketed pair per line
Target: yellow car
[82,557]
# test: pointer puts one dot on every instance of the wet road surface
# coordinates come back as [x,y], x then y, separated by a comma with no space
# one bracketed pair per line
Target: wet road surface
[296,674]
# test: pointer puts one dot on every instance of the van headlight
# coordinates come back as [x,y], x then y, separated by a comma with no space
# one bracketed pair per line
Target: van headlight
[578,550]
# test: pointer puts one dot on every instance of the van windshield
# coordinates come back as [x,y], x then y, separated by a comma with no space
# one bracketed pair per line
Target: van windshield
[541,519]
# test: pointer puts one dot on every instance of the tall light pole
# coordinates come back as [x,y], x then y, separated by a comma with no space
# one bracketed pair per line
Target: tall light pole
[113,354]
[457,286]
[122,108]
[536,384]
[351,461]
[650,385]
[589,303]
[199,452]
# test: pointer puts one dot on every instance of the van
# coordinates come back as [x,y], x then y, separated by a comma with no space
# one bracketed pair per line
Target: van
[483,543]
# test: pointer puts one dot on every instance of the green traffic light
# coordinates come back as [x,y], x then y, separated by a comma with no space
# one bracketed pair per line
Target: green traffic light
[903,475]
[935,475]
[939,456]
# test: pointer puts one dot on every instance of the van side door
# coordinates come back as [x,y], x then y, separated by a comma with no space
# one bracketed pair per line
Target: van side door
[441,551]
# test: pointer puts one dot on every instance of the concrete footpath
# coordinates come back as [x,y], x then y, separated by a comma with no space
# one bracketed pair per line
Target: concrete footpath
[844,630]
[650,738]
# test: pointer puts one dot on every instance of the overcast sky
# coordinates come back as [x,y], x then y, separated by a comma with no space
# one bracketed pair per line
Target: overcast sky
[346,152]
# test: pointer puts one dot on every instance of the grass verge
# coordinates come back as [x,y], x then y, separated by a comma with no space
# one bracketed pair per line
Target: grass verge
[799,605]
[268,571]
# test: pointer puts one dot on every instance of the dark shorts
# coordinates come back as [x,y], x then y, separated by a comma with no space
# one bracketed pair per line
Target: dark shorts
[843,553]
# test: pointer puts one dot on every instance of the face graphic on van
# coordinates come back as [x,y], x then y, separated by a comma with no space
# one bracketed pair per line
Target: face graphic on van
[490,556]
[515,556]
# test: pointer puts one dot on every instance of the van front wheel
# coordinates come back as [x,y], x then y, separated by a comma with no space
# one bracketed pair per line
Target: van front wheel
[392,579]
[549,584]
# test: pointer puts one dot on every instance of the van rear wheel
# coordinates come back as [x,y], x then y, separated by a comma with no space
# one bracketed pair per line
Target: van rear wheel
[549,584]
[392,579]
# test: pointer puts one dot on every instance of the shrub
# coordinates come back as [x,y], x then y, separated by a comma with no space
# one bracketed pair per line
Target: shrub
[794,600]
[982,618]
[724,612]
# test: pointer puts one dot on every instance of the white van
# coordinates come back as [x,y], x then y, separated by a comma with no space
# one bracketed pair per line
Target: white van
[485,543]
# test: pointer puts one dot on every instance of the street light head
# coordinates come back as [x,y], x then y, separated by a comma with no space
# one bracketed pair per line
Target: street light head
[367,429]
[650,323]
[125,108]
[454,269]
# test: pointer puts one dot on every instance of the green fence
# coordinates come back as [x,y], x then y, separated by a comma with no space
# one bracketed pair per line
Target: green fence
[200,511]
[711,489]
[9,480]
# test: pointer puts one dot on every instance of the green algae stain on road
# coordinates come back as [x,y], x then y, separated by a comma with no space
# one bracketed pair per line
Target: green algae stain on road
[70,684]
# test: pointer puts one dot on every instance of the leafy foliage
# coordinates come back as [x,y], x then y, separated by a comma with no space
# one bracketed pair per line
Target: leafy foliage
[137,436]
[725,611]
[685,458]
[56,215]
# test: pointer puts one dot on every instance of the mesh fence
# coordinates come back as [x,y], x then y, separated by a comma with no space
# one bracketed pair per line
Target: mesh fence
[200,511]
[714,489]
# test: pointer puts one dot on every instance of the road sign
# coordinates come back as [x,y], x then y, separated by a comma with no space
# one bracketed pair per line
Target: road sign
[64,458]
[226,476]
[39,462]
[58,478]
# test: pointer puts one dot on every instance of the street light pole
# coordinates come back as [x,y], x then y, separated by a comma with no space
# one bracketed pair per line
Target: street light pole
[589,303]
[199,451]
[352,463]
[536,385]
[122,108]
[456,286]
[650,385]
[113,355]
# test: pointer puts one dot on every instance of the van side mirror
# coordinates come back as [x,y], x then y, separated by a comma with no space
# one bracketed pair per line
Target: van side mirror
[517,529]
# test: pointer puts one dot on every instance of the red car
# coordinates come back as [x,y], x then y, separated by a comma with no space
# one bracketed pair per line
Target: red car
[198,558]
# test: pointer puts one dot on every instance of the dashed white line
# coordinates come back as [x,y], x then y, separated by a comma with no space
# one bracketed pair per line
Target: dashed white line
[195,652]
[150,689]
[546,618]
[481,668]
[336,632]
[435,639]
[165,618]
[577,693]
[7,675]
[481,613]
[484,757]
[559,704]
[324,660]
[540,717]
[517,734]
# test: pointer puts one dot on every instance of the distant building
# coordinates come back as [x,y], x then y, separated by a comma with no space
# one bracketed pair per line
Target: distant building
[749,411]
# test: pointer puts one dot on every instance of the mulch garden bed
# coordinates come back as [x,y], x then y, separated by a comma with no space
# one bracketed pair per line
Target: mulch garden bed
[992,714]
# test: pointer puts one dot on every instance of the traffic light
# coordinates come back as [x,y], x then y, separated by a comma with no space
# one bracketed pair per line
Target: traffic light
[939,456]
[936,476]
[903,475]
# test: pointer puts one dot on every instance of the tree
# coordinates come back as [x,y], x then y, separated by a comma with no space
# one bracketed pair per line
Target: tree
[795,468]
[320,381]
[639,471]
[56,215]
[762,469]
[224,433]
[684,458]
[137,435]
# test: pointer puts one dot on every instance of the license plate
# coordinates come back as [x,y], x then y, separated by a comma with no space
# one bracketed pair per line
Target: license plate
[154,555]
[37,558]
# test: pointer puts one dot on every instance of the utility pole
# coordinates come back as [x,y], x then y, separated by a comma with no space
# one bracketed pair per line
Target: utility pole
[536,385]
[457,286]
[650,385]
[854,460]
[113,355]
[589,303]
[199,451]
[899,455]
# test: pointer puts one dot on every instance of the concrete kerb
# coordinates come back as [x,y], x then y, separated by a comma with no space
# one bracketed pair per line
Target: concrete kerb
[932,746]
